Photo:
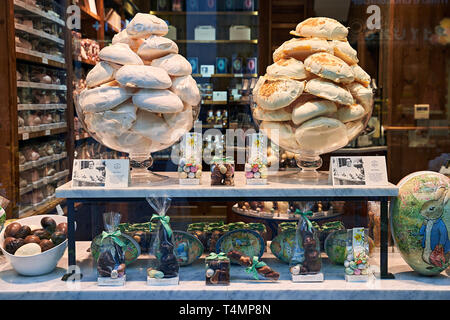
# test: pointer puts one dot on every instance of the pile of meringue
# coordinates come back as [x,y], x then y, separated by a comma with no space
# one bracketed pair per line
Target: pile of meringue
[140,96]
[315,98]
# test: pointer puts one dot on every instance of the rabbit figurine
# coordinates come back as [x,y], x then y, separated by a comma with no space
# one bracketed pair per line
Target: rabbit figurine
[435,242]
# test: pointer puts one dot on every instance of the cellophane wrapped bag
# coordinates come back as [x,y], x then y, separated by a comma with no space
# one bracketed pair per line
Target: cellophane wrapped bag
[306,256]
[163,244]
[111,258]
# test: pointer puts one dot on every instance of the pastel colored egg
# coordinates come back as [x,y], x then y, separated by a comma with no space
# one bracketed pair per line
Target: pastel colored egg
[248,167]
[257,175]
[249,175]
[186,169]
[365,271]
[159,275]
[209,273]
[183,175]
[222,169]
[357,272]
[350,257]
[295,270]
[198,174]
[191,175]
[194,169]
[255,169]
[348,271]
[346,263]
[353,265]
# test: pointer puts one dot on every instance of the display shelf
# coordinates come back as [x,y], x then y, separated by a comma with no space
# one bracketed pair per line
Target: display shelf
[39,33]
[44,160]
[285,217]
[407,285]
[44,181]
[42,127]
[280,185]
[210,102]
[82,136]
[38,85]
[39,57]
[254,41]
[36,106]
[41,133]
[48,204]
[360,150]
[84,62]
[20,5]
[205,13]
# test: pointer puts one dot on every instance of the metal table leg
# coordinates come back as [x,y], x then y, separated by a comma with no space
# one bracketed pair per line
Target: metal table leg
[384,239]
[70,239]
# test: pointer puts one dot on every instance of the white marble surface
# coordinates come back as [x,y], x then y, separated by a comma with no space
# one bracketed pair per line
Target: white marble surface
[407,285]
[283,184]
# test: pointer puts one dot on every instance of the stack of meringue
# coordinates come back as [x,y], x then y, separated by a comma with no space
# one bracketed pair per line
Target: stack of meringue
[140,96]
[315,98]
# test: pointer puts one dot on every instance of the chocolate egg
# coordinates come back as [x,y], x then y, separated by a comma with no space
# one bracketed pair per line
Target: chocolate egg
[12,245]
[12,229]
[46,245]
[42,234]
[23,232]
[58,237]
[32,239]
[48,224]
[62,227]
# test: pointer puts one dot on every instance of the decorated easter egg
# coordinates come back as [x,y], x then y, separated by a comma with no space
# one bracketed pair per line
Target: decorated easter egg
[336,250]
[187,247]
[282,245]
[248,242]
[131,248]
[420,221]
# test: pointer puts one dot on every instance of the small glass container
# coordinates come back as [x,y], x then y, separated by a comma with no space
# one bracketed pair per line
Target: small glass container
[217,269]
[357,261]
[190,165]
[222,171]
[256,171]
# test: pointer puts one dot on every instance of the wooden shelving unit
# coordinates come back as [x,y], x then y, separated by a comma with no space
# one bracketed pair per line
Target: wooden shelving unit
[255,41]
[204,13]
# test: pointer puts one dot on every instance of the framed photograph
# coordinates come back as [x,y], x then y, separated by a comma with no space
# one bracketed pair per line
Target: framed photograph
[194,64]
[221,65]
[100,173]
[89,173]
[358,171]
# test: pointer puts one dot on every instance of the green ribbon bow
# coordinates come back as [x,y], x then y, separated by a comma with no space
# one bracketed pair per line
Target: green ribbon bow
[305,215]
[214,256]
[256,264]
[113,235]
[165,222]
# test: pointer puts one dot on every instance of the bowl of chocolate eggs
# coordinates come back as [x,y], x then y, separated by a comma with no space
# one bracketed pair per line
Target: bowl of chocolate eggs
[314,98]
[34,245]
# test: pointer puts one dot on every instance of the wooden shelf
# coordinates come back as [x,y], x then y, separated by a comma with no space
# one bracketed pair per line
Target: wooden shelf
[204,13]
[255,41]
[83,136]
[22,6]
[89,13]
[44,160]
[84,62]
[42,133]
[39,57]
[38,85]
[227,75]
[290,26]
[39,33]
[210,102]
[22,107]
[409,128]
[42,208]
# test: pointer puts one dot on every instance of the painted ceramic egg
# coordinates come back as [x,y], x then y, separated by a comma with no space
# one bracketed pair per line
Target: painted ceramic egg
[335,246]
[132,249]
[187,247]
[281,246]
[248,242]
[209,273]
[420,221]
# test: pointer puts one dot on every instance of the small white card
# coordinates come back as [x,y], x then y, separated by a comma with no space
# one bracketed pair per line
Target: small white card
[206,70]
[370,171]
[219,96]
[110,173]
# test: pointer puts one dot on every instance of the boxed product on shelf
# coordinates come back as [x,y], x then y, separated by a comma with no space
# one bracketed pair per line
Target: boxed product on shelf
[240,33]
[205,33]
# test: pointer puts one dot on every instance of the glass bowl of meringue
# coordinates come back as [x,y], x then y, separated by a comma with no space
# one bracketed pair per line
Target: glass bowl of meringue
[314,98]
[140,97]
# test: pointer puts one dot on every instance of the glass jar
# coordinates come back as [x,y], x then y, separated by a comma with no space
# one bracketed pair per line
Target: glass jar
[222,171]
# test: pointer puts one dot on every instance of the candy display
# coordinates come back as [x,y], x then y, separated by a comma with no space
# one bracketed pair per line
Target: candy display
[217,269]
[190,164]
[187,248]
[357,261]
[420,220]
[111,256]
[306,252]
[163,246]
[245,241]
[140,96]
[282,245]
[140,232]
[253,265]
[222,171]
[256,171]
[314,99]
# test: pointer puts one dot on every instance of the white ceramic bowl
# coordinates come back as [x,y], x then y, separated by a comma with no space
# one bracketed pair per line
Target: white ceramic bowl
[37,264]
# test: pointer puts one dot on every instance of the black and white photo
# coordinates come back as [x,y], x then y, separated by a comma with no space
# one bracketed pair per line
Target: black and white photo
[89,173]
[348,171]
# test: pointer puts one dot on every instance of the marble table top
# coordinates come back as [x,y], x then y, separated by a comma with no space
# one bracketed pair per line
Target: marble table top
[407,285]
[281,184]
